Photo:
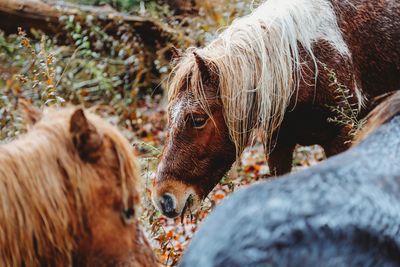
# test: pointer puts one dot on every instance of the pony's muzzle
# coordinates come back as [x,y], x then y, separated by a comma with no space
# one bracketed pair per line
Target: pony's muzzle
[172,198]
[168,205]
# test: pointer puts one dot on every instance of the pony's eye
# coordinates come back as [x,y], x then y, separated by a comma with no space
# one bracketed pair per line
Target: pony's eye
[199,121]
[128,215]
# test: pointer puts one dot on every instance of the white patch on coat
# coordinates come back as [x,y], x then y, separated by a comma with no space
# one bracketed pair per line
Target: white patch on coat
[177,112]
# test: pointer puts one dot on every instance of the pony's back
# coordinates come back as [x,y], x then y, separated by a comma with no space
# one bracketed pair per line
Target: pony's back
[343,212]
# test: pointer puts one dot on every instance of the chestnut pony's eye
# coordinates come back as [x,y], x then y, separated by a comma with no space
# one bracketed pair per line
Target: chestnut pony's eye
[199,122]
[128,215]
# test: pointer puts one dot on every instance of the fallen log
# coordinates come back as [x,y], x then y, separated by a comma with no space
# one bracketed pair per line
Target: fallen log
[44,15]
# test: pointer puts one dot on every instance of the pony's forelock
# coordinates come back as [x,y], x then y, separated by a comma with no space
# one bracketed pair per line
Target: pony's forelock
[258,63]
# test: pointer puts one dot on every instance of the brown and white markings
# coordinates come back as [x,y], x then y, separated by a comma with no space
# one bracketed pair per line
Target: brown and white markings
[271,73]
[69,194]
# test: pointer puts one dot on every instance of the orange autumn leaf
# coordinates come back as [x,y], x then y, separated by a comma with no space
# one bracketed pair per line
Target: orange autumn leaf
[170,234]
[50,60]
[219,196]
[25,42]
[252,168]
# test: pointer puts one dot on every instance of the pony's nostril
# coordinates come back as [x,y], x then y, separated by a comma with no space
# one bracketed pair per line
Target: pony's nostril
[167,203]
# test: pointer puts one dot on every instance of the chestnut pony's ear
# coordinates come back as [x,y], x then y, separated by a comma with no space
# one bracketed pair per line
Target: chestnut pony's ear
[176,53]
[203,67]
[87,140]
[29,113]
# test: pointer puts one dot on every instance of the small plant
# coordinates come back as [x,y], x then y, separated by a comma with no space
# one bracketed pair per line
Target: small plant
[347,109]
[33,79]
[40,74]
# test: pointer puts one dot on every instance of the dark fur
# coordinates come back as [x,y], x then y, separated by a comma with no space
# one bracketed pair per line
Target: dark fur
[372,33]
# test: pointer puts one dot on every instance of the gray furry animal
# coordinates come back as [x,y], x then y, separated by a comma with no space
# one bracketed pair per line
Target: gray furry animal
[342,212]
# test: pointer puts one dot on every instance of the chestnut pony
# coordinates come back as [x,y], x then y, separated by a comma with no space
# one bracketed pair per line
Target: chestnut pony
[69,194]
[271,73]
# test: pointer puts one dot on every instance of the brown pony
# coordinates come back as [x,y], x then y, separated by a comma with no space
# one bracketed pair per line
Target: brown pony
[69,194]
[276,71]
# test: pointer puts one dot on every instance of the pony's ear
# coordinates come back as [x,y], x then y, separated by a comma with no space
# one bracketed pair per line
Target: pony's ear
[202,65]
[87,140]
[176,53]
[29,113]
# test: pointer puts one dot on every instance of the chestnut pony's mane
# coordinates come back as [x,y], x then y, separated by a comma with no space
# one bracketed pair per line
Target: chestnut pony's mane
[257,60]
[45,188]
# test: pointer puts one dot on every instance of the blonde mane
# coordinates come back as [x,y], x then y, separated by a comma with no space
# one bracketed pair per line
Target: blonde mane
[257,60]
[45,190]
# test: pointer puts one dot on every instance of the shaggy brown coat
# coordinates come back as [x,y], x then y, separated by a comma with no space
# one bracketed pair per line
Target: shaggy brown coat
[69,193]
